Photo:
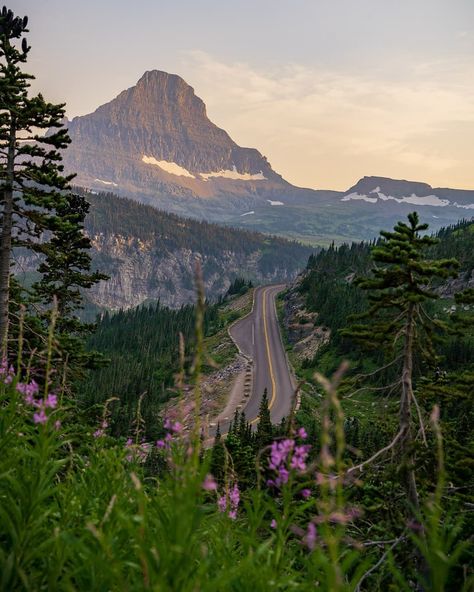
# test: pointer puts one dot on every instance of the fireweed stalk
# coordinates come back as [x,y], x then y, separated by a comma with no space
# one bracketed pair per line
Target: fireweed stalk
[332,515]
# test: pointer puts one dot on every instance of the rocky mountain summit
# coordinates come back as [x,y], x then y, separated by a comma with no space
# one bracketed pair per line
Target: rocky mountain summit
[156,139]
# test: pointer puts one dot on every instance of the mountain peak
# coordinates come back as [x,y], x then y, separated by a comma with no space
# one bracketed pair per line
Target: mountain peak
[159,85]
[388,186]
[155,137]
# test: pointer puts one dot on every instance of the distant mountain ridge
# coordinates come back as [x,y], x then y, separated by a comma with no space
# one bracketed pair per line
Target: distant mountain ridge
[155,143]
[374,189]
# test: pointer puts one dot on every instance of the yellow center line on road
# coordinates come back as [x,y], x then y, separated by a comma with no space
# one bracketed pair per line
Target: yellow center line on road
[269,356]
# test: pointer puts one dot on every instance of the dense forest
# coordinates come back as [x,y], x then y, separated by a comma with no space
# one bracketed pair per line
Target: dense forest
[113,215]
[141,357]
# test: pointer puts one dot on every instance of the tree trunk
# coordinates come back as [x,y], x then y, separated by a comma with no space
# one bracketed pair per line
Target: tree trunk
[6,239]
[405,410]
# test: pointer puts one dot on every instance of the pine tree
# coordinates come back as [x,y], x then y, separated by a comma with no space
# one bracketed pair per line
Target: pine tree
[217,464]
[65,273]
[264,434]
[38,211]
[397,288]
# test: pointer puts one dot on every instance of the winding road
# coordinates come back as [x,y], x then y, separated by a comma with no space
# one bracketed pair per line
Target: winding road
[259,340]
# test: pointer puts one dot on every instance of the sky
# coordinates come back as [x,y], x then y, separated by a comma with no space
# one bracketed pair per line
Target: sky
[327,90]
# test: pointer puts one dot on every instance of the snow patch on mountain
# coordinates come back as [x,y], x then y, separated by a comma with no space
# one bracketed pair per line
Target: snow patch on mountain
[357,196]
[465,206]
[106,182]
[418,200]
[247,213]
[169,167]
[235,175]
[275,203]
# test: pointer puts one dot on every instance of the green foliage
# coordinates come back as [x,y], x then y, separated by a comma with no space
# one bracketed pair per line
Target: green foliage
[39,212]
[264,434]
[400,282]
[166,233]
[142,346]
[239,286]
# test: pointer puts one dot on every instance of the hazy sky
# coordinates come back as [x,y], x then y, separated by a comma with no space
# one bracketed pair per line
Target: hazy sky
[328,90]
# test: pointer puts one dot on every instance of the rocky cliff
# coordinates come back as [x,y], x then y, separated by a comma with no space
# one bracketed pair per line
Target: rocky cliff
[155,138]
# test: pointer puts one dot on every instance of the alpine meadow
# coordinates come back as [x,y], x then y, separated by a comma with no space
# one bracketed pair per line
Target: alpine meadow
[213,379]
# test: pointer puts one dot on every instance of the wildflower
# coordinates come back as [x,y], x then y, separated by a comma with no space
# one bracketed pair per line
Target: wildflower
[209,483]
[306,493]
[302,434]
[222,503]
[234,496]
[229,502]
[298,460]
[160,444]
[7,373]
[28,390]
[273,524]
[51,401]
[279,453]
[57,424]
[310,537]
[284,455]
[173,426]
[99,433]
[138,452]
[40,417]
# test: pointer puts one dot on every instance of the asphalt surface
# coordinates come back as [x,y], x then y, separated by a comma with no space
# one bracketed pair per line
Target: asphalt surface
[258,337]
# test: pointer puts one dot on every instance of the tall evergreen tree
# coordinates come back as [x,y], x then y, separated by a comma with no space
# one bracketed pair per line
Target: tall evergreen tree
[38,211]
[264,434]
[218,462]
[65,272]
[397,288]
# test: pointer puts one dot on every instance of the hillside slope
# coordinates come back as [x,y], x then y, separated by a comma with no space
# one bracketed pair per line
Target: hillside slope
[151,255]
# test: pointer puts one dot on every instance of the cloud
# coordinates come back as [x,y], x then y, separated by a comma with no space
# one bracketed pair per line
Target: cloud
[326,129]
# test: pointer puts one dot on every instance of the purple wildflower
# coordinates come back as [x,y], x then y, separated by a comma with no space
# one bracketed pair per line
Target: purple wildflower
[29,390]
[229,502]
[222,503]
[306,493]
[234,496]
[7,373]
[209,483]
[51,401]
[302,434]
[285,455]
[273,524]
[300,454]
[40,417]
[310,537]
[172,426]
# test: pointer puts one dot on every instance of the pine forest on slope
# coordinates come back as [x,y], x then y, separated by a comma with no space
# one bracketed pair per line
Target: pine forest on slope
[151,255]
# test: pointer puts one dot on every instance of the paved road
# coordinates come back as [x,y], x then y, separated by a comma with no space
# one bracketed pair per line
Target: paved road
[258,337]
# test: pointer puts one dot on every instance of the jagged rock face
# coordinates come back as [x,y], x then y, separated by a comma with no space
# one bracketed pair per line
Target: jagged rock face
[137,274]
[161,120]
